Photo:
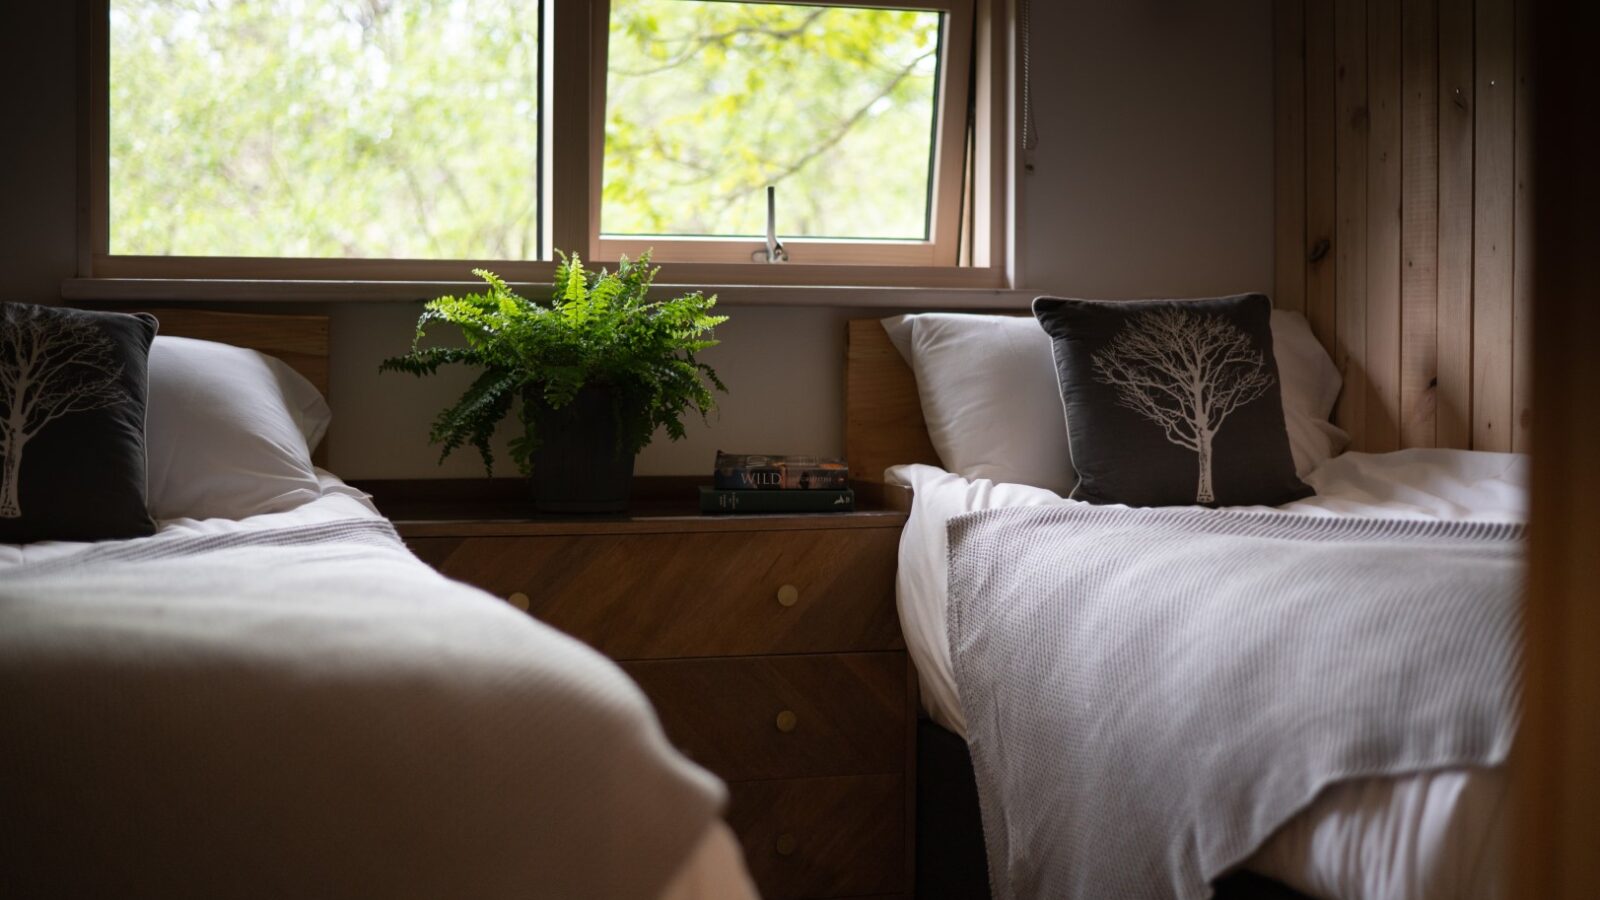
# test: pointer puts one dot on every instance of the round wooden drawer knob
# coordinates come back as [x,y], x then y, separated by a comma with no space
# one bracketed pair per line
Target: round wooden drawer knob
[519,600]
[787,721]
[785,844]
[788,595]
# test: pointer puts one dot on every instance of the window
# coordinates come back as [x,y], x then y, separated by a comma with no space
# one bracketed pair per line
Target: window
[269,128]
[409,141]
[707,103]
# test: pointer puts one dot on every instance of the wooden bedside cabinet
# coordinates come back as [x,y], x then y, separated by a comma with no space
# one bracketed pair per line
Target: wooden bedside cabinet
[771,648]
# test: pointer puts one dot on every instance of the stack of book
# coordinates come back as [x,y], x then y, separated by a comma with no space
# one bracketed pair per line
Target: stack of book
[746,483]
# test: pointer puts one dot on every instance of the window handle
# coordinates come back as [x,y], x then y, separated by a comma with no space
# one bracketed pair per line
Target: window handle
[775,253]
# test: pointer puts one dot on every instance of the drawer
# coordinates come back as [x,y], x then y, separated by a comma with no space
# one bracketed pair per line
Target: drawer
[784,716]
[822,837]
[662,596]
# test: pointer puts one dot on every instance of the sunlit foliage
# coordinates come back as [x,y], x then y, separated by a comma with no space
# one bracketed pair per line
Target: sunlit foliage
[409,128]
[708,102]
[333,128]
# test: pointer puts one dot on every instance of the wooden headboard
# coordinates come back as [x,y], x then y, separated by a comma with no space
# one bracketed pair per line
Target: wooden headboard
[300,341]
[883,423]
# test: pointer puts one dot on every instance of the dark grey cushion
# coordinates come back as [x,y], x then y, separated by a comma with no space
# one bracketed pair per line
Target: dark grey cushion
[72,407]
[1172,402]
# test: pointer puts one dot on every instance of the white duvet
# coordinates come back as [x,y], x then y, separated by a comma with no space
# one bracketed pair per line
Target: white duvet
[253,718]
[337,501]
[1432,835]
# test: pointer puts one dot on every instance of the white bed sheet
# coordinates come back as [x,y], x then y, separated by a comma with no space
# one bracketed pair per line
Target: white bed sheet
[1429,835]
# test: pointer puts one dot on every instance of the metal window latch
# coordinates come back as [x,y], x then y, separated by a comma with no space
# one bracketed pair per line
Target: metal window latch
[774,252]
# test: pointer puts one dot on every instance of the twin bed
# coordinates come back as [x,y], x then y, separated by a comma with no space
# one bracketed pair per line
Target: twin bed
[1150,708]
[290,702]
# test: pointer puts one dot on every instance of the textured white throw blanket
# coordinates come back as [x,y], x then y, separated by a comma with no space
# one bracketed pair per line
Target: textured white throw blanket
[1149,694]
[300,714]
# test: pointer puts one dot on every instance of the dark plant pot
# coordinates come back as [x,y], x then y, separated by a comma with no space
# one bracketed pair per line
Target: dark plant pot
[579,466]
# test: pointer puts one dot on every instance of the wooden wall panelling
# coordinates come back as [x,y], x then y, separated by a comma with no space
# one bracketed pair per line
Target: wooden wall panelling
[1456,104]
[1493,192]
[1522,236]
[1419,223]
[1418,190]
[1289,173]
[1381,351]
[1350,204]
[1320,175]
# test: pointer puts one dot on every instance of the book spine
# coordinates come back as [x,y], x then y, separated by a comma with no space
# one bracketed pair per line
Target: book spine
[743,478]
[781,478]
[724,501]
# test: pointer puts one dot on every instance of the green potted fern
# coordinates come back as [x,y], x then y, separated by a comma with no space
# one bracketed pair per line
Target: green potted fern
[592,375]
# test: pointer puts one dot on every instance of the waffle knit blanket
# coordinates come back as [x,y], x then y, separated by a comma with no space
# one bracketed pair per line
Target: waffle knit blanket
[1150,693]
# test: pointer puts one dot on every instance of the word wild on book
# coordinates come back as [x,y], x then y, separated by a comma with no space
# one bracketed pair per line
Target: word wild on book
[749,483]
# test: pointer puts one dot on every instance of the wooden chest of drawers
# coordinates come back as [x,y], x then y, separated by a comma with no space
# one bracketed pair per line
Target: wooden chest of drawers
[771,649]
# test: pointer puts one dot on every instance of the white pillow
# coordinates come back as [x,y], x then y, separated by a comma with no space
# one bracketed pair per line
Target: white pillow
[228,432]
[1309,385]
[993,408]
[989,396]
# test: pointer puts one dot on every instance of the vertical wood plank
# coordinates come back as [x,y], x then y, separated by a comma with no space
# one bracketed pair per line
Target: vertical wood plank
[1289,155]
[1350,240]
[1456,102]
[1382,343]
[1321,109]
[1419,224]
[1418,174]
[1523,236]
[1493,178]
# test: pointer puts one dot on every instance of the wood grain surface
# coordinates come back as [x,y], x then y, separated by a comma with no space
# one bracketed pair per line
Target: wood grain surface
[763,717]
[1419,224]
[643,596]
[770,648]
[1493,220]
[883,414]
[822,837]
[1417,171]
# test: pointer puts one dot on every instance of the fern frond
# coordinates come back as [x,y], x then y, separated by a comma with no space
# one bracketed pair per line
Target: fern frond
[600,328]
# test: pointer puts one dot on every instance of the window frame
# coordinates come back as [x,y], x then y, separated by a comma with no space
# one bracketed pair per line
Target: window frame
[946,175]
[577,32]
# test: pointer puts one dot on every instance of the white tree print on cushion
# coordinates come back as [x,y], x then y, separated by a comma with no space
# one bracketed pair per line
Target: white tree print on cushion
[52,364]
[1187,372]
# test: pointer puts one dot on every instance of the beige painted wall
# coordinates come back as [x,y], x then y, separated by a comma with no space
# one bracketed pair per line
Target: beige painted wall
[783,366]
[1153,177]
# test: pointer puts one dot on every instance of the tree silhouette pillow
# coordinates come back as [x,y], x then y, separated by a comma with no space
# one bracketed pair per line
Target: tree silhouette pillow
[1172,402]
[72,405]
